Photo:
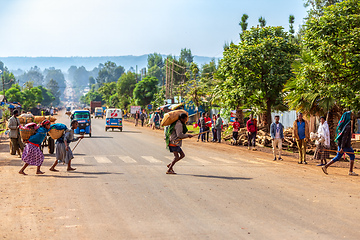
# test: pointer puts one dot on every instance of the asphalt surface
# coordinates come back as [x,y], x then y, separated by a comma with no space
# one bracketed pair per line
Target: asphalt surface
[120,191]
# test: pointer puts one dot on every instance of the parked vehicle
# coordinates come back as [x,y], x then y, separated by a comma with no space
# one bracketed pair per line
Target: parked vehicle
[113,119]
[84,119]
[99,112]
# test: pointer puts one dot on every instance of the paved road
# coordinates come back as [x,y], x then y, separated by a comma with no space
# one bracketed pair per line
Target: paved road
[120,191]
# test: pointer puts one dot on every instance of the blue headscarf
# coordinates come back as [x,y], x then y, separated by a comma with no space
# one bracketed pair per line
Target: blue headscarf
[344,121]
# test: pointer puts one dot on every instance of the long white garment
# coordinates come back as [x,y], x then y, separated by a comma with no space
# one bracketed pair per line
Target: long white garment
[324,132]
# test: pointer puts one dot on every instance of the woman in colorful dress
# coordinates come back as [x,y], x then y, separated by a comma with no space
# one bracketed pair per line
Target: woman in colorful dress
[63,150]
[32,154]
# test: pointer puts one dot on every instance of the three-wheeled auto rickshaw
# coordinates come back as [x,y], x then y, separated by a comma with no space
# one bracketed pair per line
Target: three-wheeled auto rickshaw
[99,112]
[113,119]
[84,119]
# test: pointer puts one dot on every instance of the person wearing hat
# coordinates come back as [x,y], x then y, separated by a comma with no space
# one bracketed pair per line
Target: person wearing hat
[32,154]
[14,134]
[323,145]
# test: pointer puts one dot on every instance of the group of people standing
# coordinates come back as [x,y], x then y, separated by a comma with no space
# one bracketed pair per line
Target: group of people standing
[140,116]
[206,124]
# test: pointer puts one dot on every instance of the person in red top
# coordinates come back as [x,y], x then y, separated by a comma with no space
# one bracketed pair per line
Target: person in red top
[207,126]
[236,127]
[251,126]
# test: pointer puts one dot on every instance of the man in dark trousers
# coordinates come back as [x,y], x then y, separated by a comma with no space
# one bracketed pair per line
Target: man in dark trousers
[251,126]
[343,139]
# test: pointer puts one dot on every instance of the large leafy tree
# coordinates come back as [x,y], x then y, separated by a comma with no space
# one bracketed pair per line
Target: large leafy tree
[14,94]
[186,55]
[48,98]
[108,90]
[255,71]
[145,91]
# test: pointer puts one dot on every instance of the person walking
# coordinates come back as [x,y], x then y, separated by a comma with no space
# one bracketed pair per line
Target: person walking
[143,117]
[343,139]
[32,154]
[137,116]
[174,135]
[277,136]
[14,134]
[213,122]
[321,152]
[63,150]
[202,127]
[236,127]
[218,126]
[251,126]
[301,135]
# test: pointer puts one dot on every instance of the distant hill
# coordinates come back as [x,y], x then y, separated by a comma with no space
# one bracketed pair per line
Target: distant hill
[63,63]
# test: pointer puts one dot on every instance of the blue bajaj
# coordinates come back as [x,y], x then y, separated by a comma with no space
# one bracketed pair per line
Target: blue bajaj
[84,119]
[113,119]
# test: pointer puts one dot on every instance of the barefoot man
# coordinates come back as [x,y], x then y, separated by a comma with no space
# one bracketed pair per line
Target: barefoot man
[175,133]
[63,150]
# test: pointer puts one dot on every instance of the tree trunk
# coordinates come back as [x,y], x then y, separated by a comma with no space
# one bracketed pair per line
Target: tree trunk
[267,118]
[332,122]
[240,115]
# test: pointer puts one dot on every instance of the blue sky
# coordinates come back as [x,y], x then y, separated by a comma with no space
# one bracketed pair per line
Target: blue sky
[117,27]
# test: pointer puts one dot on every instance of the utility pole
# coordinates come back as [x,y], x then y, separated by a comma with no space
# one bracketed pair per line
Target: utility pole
[167,80]
[172,79]
[3,82]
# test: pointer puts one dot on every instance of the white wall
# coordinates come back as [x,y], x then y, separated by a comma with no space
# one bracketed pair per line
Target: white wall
[286,118]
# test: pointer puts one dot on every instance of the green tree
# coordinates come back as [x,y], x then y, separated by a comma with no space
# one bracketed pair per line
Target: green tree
[145,91]
[54,89]
[262,22]
[243,24]
[126,85]
[254,71]
[185,55]
[291,26]
[32,97]
[14,94]
[317,6]
[107,91]
[48,98]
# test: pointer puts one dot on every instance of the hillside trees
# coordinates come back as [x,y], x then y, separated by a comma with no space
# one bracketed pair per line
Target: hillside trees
[145,91]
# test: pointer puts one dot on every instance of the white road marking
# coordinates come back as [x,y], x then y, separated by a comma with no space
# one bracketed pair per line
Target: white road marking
[199,160]
[127,159]
[102,159]
[222,160]
[151,159]
[79,160]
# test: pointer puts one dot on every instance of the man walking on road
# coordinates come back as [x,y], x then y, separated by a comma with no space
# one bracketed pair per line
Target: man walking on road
[174,135]
[143,116]
[301,135]
[218,126]
[14,134]
[251,126]
[343,139]
[277,136]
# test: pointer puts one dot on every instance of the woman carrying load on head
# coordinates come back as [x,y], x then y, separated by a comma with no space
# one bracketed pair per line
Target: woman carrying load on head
[63,151]
[343,139]
[175,132]
[32,154]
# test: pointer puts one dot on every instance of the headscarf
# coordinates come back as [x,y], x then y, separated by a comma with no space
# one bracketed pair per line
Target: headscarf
[45,122]
[344,121]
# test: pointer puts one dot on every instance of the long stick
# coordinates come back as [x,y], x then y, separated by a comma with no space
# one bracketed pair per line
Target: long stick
[77,144]
[194,135]
[338,151]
